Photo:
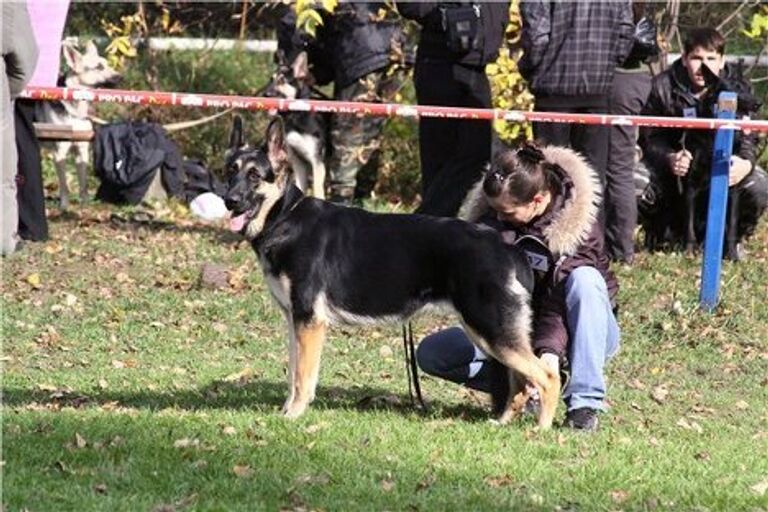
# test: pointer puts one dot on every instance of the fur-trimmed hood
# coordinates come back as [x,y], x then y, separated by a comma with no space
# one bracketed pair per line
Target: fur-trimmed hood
[572,224]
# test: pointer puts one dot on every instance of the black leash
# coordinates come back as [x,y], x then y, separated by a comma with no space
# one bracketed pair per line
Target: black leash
[411,368]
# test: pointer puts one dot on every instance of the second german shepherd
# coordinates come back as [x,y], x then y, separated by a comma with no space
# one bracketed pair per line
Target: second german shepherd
[326,264]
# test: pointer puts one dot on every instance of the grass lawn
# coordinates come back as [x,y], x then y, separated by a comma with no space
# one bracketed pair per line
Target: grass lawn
[128,386]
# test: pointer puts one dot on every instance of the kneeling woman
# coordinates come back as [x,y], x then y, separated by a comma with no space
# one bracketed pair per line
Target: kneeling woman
[546,201]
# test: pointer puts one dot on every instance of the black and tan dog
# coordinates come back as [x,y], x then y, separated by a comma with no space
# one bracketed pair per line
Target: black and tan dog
[328,264]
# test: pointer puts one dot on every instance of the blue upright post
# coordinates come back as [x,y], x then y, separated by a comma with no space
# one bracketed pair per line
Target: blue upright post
[718,202]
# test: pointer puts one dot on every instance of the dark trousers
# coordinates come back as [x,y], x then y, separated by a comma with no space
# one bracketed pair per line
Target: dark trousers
[630,91]
[453,151]
[589,140]
[33,225]
[448,354]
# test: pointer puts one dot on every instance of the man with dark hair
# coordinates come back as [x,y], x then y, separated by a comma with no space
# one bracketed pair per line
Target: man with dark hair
[689,88]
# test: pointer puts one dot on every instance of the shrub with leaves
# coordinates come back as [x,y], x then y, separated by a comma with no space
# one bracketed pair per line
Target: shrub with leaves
[509,88]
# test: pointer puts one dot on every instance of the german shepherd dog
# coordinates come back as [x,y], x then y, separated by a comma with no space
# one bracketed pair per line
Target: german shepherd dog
[306,131]
[87,69]
[327,264]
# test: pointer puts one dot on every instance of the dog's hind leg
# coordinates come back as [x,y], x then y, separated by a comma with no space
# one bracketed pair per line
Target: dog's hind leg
[59,162]
[82,162]
[309,339]
[522,362]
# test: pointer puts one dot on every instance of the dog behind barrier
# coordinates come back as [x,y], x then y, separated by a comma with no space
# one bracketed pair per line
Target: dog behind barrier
[306,132]
[86,69]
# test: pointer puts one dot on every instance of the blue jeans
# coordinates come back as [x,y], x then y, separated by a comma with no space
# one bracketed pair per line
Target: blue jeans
[593,339]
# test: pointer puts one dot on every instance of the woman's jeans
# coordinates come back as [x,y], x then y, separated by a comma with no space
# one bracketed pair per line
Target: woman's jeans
[593,339]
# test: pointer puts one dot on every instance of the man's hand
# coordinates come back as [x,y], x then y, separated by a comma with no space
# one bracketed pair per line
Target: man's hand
[680,162]
[740,167]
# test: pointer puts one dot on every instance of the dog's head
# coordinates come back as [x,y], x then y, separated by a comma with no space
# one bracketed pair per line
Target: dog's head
[257,177]
[290,80]
[88,69]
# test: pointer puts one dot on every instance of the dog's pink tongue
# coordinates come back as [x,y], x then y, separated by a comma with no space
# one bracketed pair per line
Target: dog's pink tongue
[236,224]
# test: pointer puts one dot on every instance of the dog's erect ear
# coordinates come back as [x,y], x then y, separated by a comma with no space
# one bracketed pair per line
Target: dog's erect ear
[91,50]
[300,66]
[276,142]
[71,56]
[236,135]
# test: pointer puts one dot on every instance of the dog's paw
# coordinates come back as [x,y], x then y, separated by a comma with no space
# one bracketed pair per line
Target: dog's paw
[294,409]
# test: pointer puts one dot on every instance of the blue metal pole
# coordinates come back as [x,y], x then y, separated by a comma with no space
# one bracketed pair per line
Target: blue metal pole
[718,202]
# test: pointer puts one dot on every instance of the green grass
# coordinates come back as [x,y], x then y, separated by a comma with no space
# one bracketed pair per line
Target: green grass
[127,386]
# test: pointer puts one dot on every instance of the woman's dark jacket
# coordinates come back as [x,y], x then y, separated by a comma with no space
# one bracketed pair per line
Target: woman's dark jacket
[568,235]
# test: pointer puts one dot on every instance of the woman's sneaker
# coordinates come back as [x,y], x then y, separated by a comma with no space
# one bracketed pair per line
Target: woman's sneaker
[584,419]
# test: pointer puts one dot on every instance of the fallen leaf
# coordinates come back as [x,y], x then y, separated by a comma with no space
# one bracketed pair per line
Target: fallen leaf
[659,394]
[34,280]
[388,483]
[242,471]
[741,405]
[619,496]
[186,443]
[229,430]
[317,427]
[760,487]
[80,441]
[242,376]
[100,488]
[499,481]
[385,352]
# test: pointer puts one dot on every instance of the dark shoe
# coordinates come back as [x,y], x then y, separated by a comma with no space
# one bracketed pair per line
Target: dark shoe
[584,419]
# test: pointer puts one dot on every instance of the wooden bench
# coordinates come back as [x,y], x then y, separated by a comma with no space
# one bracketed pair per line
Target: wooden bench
[50,131]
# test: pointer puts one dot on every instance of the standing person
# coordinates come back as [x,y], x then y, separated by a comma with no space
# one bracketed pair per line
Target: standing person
[360,47]
[457,40]
[19,59]
[684,90]
[545,201]
[48,20]
[570,53]
[629,92]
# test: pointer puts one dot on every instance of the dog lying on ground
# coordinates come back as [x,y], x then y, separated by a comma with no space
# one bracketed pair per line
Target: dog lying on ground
[88,69]
[306,131]
[327,264]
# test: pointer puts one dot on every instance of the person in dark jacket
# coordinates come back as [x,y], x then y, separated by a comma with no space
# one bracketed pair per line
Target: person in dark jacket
[545,201]
[683,90]
[570,53]
[361,49]
[19,58]
[453,152]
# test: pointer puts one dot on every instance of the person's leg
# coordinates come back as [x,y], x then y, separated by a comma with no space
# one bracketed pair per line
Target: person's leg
[437,137]
[470,152]
[629,93]
[8,201]
[449,355]
[556,134]
[355,138]
[594,338]
[33,224]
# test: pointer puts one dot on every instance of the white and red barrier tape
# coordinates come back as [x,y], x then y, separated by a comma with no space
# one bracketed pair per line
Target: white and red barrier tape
[374,109]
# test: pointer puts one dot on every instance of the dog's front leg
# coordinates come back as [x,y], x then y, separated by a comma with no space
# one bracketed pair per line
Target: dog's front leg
[59,161]
[82,161]
[291,360]
[690,213]
[309,338]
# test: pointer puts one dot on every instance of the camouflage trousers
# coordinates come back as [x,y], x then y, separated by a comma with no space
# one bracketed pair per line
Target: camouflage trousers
[356,140]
